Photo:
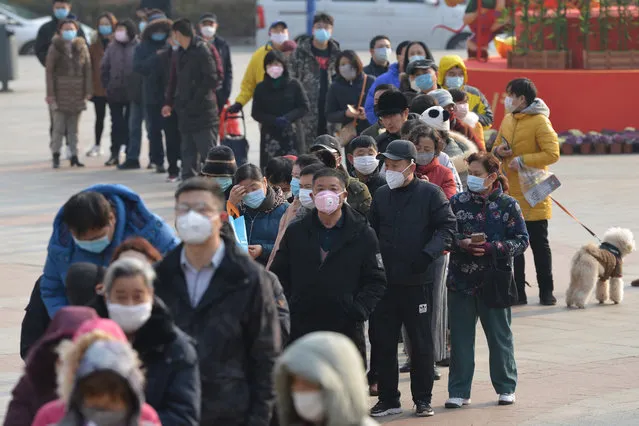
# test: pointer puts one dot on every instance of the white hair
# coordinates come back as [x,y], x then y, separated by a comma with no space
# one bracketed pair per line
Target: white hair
[128,267]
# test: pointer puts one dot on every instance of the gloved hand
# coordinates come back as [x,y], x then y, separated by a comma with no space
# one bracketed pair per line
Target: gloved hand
[235,108]
[281,122]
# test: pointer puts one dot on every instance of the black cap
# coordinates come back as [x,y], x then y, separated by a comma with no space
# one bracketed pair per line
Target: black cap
[399,150]
[80,282]
[422,64]
[220,161]
[391,103]
[208,17]
[276,23]
[326,142]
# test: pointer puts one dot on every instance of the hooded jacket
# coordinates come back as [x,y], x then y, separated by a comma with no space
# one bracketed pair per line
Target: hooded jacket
[477,102]
[389,77]
[68,76]
[45,35]
[439,175]
[37,386]
[147,63]
[458,149]
[331,361]
[116,70]
[133,218]
[532,138]
[342,93]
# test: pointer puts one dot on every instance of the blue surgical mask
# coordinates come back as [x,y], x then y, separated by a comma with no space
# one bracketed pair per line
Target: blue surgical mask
[105,30]
[416,58]
[254,199]
[295,186]
[424,82]
[94,246]
[454,82]
[224,182]
[69,35]
[60,12]
[142,25]
[158,36]
[476,184]
[322,35]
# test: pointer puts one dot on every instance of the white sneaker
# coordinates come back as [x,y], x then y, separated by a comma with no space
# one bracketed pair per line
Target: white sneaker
[95,151]
[122,149]
[67,153]
[507,399]
[456,402]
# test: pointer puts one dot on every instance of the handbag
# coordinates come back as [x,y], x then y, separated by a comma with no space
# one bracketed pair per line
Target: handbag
[348,132]
[499,290]
[237,142]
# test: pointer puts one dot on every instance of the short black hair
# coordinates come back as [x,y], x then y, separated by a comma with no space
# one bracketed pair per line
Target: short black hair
[86,211]
[312,169]
[381,87]
[248,171]
[523,87]
[401,46]
[184,27]
[305,160]
[377,38]
[129,26]
[279,169]
[61,1]
[362,142]
[328,172]
[274,56]
[421,103]
[326,157]
[323,18]
[458,95]
[199,183]
[353,58]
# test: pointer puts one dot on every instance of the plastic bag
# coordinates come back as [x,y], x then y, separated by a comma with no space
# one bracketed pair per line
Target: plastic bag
[471,119]
[239,229]
[536,184]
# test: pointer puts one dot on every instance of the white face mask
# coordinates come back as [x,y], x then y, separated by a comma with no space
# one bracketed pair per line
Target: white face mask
[366,164]
[208,31]
[461,110]
[130,318]
[305,198]
[279,38]
[309,405]
[121,36]
[194,228]
[509,104]
[395,179]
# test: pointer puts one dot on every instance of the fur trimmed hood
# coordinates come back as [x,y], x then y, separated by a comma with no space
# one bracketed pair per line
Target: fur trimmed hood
[156,26]
[77,44]
[466,146]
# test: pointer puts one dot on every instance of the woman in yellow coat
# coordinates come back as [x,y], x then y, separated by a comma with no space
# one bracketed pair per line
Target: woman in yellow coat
[526,137]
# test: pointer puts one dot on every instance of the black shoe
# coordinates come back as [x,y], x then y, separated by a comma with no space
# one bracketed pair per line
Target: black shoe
[405,368]
[151,166]
[438,374]
[129,165]
[547,299]
[382,409]
[113,161]
[423,409]
[56,161]
[444,362]
[76,162]
[160,169]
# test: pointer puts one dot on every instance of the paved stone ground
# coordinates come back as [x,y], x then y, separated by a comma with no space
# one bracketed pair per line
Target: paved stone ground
[575,367]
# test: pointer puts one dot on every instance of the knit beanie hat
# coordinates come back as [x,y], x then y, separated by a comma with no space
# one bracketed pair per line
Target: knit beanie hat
[437,118]
[220,161]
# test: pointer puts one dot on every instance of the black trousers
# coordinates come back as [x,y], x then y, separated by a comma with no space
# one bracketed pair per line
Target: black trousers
[173,143]
[119,126]
[538,231]
[99,103]
[411,306]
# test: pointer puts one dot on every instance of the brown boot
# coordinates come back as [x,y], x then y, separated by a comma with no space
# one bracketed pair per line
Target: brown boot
[635,283]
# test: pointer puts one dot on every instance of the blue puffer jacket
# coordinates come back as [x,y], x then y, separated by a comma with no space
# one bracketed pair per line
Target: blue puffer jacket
[132,219]
[262,224]
[389,77]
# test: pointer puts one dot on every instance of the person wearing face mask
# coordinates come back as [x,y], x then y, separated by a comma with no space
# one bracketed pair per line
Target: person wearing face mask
[48,30]
[453,74]
[416,51]
[222,299]
[220,166]
[278,103]
[420,78]
[445,100]
[392,109]
[330,266]
[345,99]
[167,353]
[526,138]
[485,209]
[428,143]
[363,157]
[207,28]
[89,227]
[279,174]
[414,224]
[463,113]
[318,381]
[115,72]
[314,64]
[255,72]
[381,50]
[262,207]
[377,128]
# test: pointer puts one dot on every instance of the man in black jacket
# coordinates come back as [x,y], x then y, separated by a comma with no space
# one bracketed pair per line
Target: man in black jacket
[330,265]
[192,94]
[207,28]
[363,158]
[414,224]
[224,300]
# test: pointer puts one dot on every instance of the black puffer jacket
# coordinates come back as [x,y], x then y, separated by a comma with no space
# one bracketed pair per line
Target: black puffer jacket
[339,293]
[342,93]
[414,225]
[35,322]
[237,333]
[146,61]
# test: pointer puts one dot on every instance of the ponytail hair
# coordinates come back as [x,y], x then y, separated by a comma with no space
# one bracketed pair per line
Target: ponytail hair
[492,165]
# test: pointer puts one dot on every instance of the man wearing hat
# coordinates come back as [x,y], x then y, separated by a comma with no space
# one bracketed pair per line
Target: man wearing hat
[422,77]
[414,225]
[392,110]
[254,74]
[207,28]
[220,166]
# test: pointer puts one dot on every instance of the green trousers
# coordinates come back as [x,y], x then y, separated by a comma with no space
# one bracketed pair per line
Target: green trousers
[463,312]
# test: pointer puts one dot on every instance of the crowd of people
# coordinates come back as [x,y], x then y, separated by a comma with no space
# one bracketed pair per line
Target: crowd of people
[376,200]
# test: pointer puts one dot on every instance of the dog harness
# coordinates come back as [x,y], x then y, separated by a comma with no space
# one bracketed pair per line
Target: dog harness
[609,257]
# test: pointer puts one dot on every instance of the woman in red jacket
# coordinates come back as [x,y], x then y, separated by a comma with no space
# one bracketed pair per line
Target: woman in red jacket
[429,144]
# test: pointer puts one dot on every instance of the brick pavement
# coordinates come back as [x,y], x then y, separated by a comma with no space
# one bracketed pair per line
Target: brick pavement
[575,367]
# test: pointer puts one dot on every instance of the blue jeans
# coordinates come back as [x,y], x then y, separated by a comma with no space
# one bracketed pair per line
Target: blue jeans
[136,116]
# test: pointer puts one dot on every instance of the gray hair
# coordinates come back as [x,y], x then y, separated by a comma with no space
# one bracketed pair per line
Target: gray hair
[128,267]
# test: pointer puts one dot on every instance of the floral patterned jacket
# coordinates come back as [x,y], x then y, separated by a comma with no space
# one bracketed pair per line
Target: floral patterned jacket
[499,217]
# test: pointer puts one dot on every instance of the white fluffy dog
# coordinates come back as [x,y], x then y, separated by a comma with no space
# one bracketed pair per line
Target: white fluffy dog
[595,266]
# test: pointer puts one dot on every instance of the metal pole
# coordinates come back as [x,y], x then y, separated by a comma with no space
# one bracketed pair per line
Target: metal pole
[311,6]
